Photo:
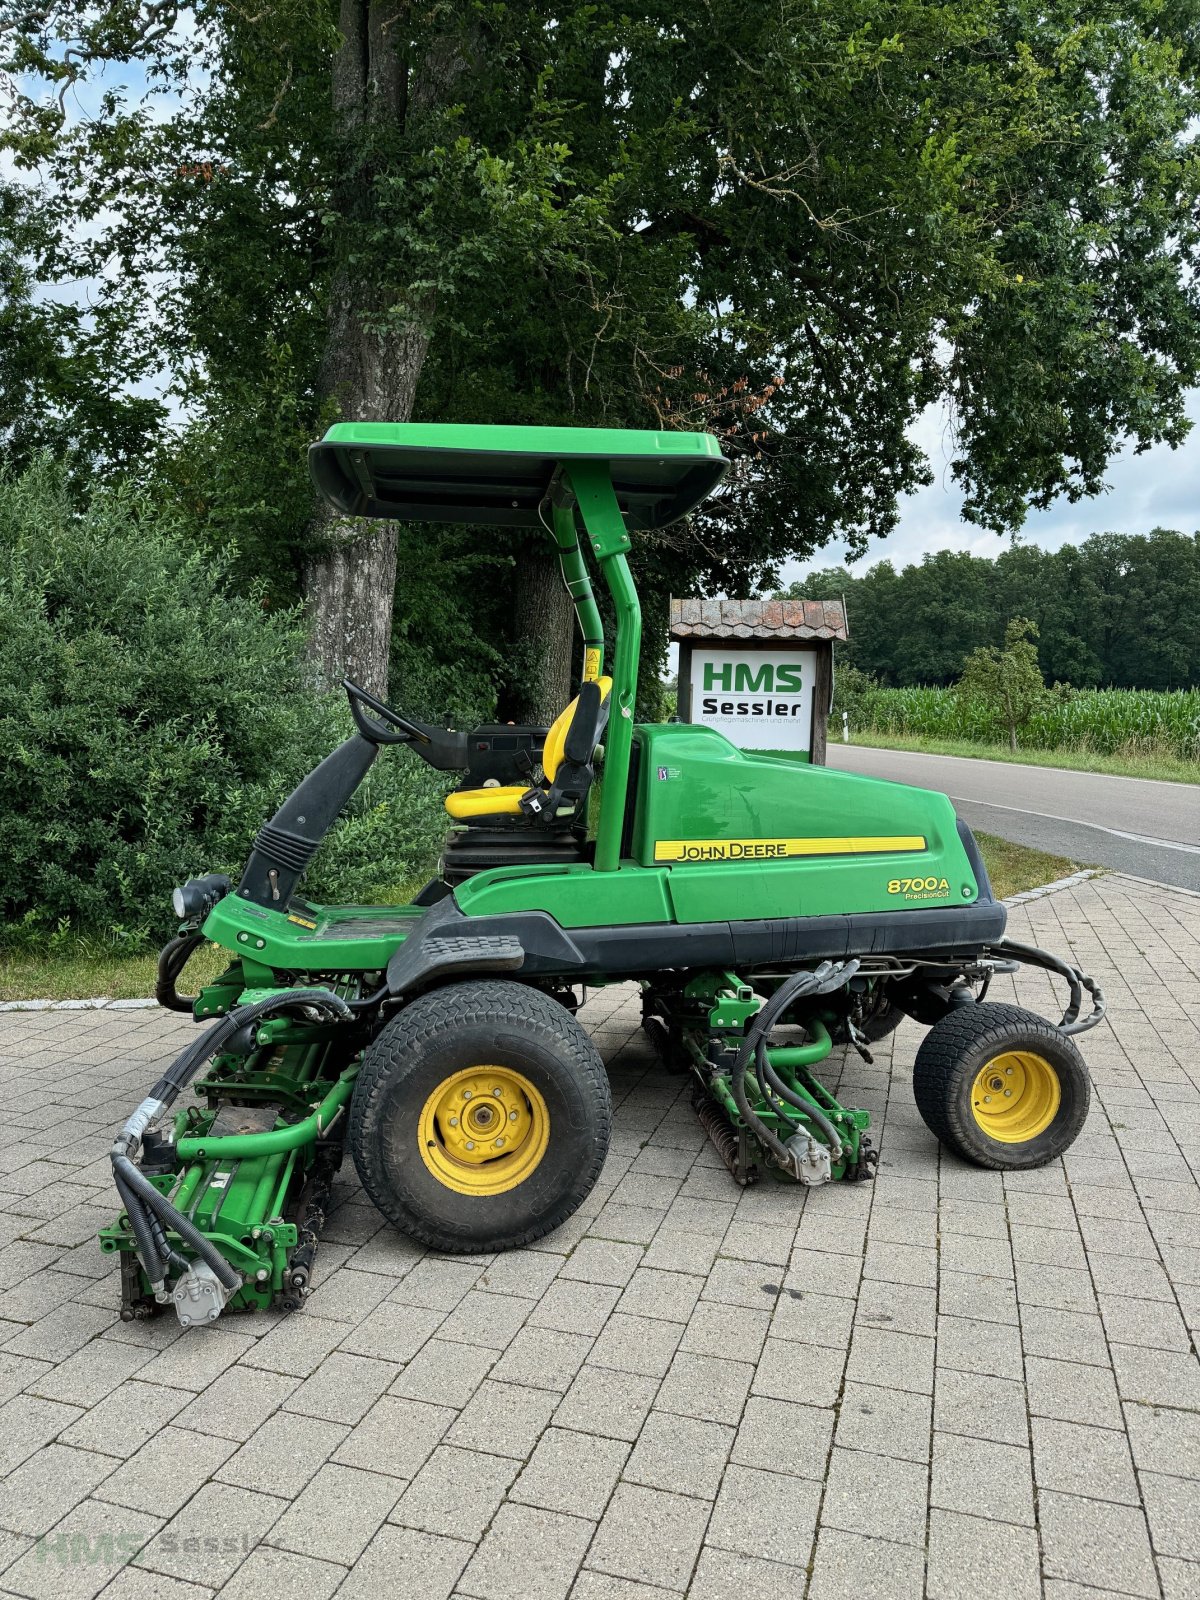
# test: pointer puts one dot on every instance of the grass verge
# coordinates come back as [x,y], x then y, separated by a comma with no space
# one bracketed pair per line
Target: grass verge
[79,969]
[1130,764]
[1013,868]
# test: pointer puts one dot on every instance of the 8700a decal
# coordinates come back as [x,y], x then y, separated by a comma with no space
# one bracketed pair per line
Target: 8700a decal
[918,888]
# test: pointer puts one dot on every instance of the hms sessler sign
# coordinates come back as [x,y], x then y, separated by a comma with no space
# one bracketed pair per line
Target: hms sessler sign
[757,698]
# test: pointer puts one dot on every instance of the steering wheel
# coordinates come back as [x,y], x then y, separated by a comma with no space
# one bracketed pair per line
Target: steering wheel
[405,732]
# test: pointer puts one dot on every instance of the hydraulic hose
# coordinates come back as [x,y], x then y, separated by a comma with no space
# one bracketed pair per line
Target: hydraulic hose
[150,1212]
[809,1107]
[172,959]
[822,980]
[1077,982]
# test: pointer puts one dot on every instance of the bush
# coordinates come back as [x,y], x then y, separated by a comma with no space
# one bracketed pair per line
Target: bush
[152,715]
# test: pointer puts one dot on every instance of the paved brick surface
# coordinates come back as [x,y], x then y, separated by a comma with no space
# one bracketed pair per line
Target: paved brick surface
[948,1383]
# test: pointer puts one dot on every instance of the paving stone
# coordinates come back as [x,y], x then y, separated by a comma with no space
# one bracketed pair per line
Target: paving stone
[847,1566]
[970,1556]
[813,1318]
[1070,1392]
[135,1583]
[444,1373]
[714,1330]
[456,1493]
[1173,1511]
[981,1407]
[1094,1462]
[650,1536]
[335,1517]
[900,1360]
[602,1261]
[723,1573]
[606,1402]
[575,1307]
[993,1349]
[982,1478]
[680,1454]
[166,1471]
[199,1359]
[26,1424]
[343,1388]
[527,1554]
[213,1534]
[491,1320]
[283,1454]
[503,1418]
[237,1403]
[971,1294]
[1064,1336]
[706,1387]
[1150,1324]
[1097,1543]
[404,1564]
[875,1496]
[44,1488]
[1157,1377]
[897,1308]
[122,1422]
[766,1515]
[282,1574]
[80,1554]
[543,1359]
[436,1284]
[1164,1440]
[887,1422]
[91,1373]
[525,1273]
[654,1294]
[572,1472]
[1180,1579]
[61,1332]
[784,1438]
[603,1586]
[786,1369]
[643,1345]
[392,1332]
[396,1437]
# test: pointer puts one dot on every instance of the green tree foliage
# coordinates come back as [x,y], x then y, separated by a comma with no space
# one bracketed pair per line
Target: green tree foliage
[796,224]
[1118,609]
[1008,678]
[152,713]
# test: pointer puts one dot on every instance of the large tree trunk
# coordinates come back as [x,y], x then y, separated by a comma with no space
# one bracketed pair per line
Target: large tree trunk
[544,633]
[369,369]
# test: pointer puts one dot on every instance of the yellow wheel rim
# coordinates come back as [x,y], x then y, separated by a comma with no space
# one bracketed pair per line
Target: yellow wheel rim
[1016,1096]
[483,1130]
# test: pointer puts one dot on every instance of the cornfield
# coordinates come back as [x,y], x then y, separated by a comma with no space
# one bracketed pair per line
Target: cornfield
[1106,721]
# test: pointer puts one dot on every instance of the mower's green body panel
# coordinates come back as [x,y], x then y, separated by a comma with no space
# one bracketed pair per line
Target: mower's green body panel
[716,834]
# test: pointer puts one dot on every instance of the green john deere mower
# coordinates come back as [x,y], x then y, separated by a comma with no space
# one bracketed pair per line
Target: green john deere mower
[767,909]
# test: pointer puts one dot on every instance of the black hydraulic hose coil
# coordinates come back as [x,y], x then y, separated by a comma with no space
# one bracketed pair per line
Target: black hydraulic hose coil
[822,980]
[149,1211]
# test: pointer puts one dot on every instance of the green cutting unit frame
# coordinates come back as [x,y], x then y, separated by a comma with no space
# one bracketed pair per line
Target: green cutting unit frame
[770,912]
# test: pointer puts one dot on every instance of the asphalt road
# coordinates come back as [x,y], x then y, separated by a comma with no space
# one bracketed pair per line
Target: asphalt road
[1134,825]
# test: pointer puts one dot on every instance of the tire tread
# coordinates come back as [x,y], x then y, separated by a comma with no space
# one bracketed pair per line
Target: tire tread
[435,1014]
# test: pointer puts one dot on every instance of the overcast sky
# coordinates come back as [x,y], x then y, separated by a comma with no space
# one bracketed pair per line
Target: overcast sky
[1158,489]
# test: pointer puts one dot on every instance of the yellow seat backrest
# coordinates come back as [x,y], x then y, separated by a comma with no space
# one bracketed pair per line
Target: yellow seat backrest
[556,739]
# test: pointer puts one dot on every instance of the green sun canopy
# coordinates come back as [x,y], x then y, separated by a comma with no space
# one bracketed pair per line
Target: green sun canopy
[443,472]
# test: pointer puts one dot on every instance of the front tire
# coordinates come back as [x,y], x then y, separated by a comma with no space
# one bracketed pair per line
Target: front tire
[1001,1086]
[481,1117]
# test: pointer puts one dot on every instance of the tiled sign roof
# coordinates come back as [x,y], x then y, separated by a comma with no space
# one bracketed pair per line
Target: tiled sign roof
[758,619]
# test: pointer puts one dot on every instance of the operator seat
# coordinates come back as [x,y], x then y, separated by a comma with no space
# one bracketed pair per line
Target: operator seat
[555,802]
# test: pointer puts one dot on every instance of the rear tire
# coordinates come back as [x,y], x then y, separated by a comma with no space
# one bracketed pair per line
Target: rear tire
[1001,1086]
[481,1117]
